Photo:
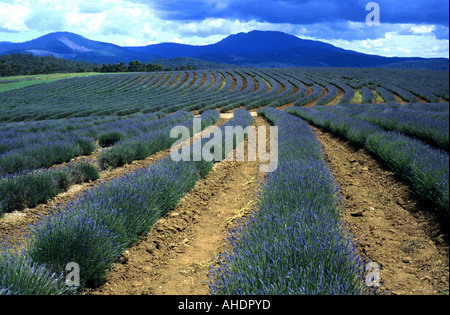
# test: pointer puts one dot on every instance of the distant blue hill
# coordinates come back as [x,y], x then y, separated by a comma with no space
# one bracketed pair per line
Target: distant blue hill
[73,47]
[256,48]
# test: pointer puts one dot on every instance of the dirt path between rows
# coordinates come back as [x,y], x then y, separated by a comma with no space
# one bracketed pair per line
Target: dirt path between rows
[174,258]
[396,231]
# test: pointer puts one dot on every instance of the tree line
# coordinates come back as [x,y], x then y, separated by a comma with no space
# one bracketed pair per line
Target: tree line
[137,66]
[27,64]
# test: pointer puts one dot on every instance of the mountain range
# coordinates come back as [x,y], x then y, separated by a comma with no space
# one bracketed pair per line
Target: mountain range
[256,48]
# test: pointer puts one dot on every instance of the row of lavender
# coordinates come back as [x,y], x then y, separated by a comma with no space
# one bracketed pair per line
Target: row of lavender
[28,188]
[294,243]
[118,94]
[33,145]
[124,94]
[423,166]
[94,230]
[427,122]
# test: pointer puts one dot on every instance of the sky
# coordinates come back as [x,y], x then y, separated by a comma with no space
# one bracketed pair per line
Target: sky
[411,28]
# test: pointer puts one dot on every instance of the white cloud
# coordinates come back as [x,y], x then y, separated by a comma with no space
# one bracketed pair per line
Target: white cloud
[404,50]
[422,29]
[177,40]
[399,45]
[12,17]
[135,42]
[374,43]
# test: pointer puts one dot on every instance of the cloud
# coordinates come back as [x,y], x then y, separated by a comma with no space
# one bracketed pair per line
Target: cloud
[12,17]
[304,11]
[399,45]
[271,11]
[422,29]
[45,19]
[419,27]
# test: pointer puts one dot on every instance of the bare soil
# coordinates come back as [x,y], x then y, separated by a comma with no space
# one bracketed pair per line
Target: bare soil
[177,78]
[399,99]
[203,81]
[313,103]
[255,84]
[186,77]
[401,234]
[163,80]
[296,89]
[335,100]
[175,257]
[233,85]
[282,87]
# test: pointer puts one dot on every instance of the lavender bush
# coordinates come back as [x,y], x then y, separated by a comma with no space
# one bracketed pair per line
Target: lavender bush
[142,145]
[294,243]
[19,275]
[28,189]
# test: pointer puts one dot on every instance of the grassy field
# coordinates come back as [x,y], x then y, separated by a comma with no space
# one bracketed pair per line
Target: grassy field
[18,82]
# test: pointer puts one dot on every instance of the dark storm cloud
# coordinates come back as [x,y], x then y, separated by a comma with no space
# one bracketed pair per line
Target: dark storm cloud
[272,11]
[305,11]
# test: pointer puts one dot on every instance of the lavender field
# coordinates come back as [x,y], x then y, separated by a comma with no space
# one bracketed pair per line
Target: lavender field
[87,132]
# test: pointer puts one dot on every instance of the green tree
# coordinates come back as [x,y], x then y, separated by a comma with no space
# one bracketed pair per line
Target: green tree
[135,66]
[151,67]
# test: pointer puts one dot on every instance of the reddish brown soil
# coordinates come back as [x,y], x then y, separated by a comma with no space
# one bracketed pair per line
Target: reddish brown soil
[337,98]
[213,81]
[167,80]
[133,82]
[158,81]
[245,84]
[282,87]
[186,77]
[222,81]
[174,258]
[255,84]
[176,80]
[152,78]
[421,100]
[233,85]
[286,106]
[313,103]
[138,82]
[203,81]
[296,88]
[193,81]
[395,230]
[399,99]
